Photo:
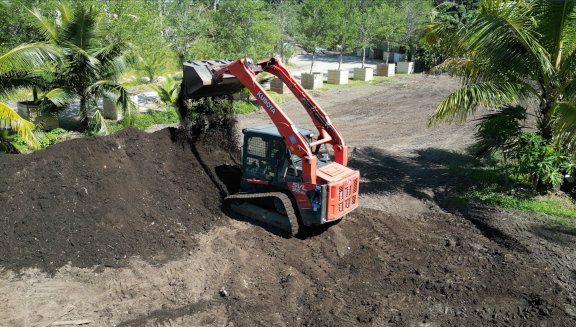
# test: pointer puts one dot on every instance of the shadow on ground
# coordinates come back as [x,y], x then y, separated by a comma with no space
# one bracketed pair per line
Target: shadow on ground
[430,175]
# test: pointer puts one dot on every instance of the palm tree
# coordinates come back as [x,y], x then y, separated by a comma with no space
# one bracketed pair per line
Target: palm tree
[167,90]
[514,52]
[13,65]
[88,65]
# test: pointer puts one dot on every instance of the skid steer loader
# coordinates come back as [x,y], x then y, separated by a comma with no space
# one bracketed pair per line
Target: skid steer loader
[285,180]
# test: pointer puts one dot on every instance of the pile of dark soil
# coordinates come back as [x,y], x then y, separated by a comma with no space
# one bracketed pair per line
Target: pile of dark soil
[376,269]
[98,200]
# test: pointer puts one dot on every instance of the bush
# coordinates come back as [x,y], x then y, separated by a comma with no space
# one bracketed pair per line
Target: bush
[539,161]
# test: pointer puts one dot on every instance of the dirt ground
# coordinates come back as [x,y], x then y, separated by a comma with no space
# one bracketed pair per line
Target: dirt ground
[126,230]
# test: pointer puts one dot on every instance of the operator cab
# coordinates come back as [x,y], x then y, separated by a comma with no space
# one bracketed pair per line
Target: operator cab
[266,157]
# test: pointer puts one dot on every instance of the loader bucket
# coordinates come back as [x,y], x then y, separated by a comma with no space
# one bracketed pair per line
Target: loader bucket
[198,79]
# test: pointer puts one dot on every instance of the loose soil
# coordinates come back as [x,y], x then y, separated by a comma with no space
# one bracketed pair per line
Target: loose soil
[126,230]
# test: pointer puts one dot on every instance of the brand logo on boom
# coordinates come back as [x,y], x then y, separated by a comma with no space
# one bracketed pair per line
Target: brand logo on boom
[266,102]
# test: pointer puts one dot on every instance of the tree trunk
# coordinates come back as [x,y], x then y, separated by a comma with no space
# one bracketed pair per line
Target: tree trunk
[34,94]
[505,157]
[545,127]
[387,52]
[407,53]
[83,114]
[340,62]
[363,56]
[312,65]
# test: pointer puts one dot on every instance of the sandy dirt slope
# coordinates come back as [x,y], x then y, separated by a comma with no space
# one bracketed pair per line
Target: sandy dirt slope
[403,258]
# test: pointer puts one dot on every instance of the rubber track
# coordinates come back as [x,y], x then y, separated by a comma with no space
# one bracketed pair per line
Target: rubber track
[290,213]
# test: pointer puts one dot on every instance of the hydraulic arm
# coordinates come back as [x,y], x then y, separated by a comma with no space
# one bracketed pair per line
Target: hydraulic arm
[246,72]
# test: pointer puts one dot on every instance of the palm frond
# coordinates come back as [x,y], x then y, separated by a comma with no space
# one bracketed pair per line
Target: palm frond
[5,144]
[557,28]
[99,122]
[497,131]
[504,34]
[80,60]
[27,57]
[167,90]
[65,11]
[464,101]
[9,119]
[117,94]
[81,29]
[61,96]
[565,122]
[568,90]
[45,26]
[568,65]
[441,33]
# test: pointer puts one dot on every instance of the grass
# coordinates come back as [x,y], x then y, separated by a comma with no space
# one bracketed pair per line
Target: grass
[243,107]
[486,186]
[145,120]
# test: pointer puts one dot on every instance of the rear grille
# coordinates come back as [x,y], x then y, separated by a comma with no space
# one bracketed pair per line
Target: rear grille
[346,199]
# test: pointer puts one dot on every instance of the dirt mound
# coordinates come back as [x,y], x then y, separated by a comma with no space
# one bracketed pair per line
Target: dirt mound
[99,200]
[404,262]
[371,269]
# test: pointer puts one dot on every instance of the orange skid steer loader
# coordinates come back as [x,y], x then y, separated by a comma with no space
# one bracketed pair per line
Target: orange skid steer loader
[286,178]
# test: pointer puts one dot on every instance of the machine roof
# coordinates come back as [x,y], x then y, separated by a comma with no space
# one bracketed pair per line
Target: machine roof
[270,129]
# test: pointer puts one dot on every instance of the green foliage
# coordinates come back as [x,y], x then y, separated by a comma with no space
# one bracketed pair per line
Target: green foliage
[393,24]
[209,107]
[527,155]
[185,24]
[16,25]
[457,15]
[514,52]
[152,60]
[313,25]
[536,158]
[486,187]
[52,137]
[285,14]
[343,30]
[368,22]
[145,120]
[168,116]
[244,29]
[495,197]
[6,144]
[167,90]
[242,107]
[10,120]
[498,131]
[413,16]
[45,139]
[87,62]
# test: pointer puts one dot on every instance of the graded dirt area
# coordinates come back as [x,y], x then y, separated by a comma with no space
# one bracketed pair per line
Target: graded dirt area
[126,230]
